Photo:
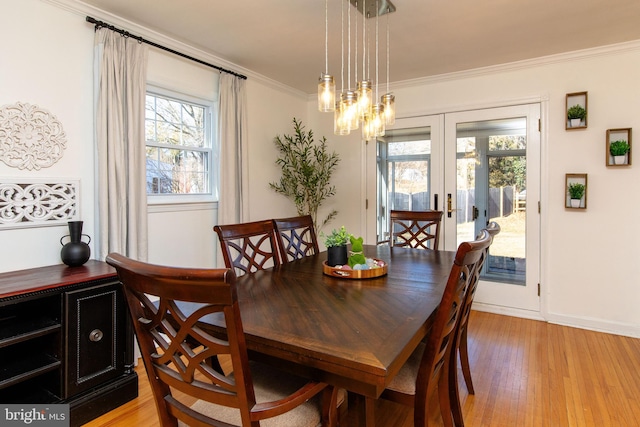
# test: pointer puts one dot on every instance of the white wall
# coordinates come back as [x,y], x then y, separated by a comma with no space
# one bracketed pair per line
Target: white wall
[590,269]
[46,59]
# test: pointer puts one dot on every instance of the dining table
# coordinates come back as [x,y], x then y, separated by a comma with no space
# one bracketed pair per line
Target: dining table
[352,333]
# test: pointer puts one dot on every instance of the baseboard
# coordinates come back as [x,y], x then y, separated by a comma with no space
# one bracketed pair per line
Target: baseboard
[591,324]
[597,325]
[508,311]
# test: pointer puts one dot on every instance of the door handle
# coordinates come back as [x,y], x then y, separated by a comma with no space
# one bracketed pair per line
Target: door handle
[450,208]
[476,213]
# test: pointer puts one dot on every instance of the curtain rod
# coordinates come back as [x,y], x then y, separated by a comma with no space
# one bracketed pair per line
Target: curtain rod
[99,24]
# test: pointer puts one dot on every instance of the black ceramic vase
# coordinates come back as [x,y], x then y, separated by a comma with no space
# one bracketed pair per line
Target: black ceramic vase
[75,252]
[337,255]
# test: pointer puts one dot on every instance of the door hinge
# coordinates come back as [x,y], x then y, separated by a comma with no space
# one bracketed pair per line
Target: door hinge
[539,207]
[539,125]
[366,203]
[538,289]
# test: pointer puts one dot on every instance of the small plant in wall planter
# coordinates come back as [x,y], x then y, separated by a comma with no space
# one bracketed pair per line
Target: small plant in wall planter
[619,150]
[576,192]
[576,114]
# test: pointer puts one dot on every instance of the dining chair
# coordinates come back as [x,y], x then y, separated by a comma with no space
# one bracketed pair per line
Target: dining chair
[426,370]
[175,353]
[415,229]
[249,246]
[461,346]
[296,237]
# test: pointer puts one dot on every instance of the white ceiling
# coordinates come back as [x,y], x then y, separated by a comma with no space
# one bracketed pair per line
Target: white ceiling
[284,39]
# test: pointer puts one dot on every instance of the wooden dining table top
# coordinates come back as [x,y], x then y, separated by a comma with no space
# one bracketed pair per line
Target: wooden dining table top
[352,333]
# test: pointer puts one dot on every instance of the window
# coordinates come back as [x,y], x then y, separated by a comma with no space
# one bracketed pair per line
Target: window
[178,146]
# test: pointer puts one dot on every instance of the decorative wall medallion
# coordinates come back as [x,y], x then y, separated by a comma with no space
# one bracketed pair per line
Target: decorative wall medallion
[30,137]
[36,204]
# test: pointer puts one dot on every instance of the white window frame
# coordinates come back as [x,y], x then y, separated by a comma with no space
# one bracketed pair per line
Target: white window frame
[170,201]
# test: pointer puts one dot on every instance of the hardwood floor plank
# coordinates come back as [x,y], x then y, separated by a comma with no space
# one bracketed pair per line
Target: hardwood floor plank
[525,372]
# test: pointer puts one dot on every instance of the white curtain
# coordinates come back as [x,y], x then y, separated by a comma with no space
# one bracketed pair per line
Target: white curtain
[120,89]
[233,203]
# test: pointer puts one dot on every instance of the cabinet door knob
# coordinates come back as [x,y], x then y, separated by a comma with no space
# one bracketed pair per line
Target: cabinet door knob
[95,335]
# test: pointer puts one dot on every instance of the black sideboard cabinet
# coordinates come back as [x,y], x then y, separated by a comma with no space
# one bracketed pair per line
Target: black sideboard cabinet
[65,337]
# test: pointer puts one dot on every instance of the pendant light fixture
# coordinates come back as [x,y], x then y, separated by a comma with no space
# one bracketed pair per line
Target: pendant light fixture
[388,99]
[326,85]
[377,110]
[357,106]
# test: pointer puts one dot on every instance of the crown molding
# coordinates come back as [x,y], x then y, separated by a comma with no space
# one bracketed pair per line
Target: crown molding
[577,55]
[82,9]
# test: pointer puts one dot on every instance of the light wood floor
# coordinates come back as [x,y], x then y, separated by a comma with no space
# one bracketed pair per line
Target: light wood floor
[525,373]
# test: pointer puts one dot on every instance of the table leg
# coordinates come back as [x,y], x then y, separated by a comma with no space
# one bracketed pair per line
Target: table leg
[362,410]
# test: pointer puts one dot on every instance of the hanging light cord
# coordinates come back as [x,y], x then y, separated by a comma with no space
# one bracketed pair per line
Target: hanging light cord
[388,11]
[377,18]
[326,36]
[355,57]
[342,47]
[364,34]
[349,49]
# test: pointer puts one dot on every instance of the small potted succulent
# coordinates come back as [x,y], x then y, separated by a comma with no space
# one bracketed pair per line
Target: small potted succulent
[576,191]
[336,243]
[619,150]
[576,114]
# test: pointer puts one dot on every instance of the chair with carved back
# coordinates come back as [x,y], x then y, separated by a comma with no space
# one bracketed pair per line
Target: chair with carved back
[426,370]
[415,229]
[175,351]
[493,228]
[249,246]
[296,237]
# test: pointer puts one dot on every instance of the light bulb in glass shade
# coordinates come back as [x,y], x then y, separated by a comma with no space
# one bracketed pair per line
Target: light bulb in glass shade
[367,129]
[326,93]
[349,106]
[339,125]
[377,120]
[389,102]
[365,98]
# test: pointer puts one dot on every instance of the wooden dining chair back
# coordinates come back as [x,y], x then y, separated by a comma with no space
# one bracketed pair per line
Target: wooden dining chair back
[426,370]
[415,229]
[461,345]
[296,237]
[249,246]
[166,305]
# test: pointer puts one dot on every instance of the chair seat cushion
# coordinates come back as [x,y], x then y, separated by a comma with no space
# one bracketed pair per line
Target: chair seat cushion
[271,384]
[405,381]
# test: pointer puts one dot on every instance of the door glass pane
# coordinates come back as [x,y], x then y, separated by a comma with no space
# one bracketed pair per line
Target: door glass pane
[491,186]
[508,207]
[466,188]
[404,157]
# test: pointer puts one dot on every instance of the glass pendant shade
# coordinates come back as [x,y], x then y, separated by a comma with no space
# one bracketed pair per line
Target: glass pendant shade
[326,93]
[389,102]
[349,106]
[339,126]
[365,95]
[367,129]
[377,120]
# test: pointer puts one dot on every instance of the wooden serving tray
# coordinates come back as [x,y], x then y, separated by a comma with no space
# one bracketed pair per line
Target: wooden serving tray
[355,274]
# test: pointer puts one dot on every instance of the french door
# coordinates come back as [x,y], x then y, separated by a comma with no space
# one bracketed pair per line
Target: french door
[476,166]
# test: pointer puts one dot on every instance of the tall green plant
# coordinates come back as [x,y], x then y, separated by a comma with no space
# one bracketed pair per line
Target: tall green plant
[307,168]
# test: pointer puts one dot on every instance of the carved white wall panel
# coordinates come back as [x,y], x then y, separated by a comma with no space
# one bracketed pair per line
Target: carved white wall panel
[28,203]
[30,137]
